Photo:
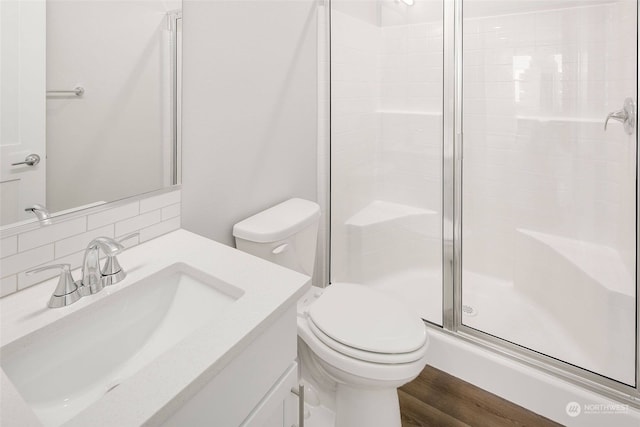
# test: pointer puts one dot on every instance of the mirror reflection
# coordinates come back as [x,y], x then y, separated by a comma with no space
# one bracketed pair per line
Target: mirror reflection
[89,102]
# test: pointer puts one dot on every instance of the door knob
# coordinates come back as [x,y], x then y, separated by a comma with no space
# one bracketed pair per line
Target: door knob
[30,160]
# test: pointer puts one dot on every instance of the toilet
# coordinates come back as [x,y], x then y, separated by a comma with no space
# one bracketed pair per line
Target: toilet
[356,343]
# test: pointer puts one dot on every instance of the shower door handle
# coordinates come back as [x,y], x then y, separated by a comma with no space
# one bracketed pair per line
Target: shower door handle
[627,116]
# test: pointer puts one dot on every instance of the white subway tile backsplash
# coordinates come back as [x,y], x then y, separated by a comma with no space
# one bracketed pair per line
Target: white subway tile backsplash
[8,285]
[25,260]
[136,223]
[75,260]
[131,242]
[159,229]
[64,242]
[171,211]
[8,246]
[114,215]
[51,233]
[159,201]
[80,241]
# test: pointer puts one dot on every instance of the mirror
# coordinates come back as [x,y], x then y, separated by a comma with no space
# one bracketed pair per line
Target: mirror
[89,102]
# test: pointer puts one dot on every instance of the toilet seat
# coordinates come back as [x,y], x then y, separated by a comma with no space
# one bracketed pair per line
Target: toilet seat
[367,356]
[366,324]
[360,371]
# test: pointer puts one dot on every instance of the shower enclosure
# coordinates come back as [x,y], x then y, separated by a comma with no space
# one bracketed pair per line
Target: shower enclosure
[483,168]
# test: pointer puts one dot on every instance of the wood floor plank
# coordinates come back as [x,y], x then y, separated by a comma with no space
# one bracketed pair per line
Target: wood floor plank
[416,413]
[469,404]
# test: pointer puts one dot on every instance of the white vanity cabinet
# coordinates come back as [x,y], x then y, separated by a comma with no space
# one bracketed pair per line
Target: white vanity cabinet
[254,388]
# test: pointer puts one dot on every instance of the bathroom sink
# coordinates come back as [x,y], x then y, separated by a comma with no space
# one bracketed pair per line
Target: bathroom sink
[135,352]
[71,363]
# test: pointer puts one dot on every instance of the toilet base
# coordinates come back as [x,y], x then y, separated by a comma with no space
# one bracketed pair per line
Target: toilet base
[381,411]
[356,401]
[319,416]
[367,407]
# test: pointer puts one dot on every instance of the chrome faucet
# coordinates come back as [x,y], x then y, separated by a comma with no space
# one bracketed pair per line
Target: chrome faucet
[92,278]
[41,213]
[626,116]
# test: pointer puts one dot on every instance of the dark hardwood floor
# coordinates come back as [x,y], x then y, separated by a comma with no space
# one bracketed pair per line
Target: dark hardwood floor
[438,399]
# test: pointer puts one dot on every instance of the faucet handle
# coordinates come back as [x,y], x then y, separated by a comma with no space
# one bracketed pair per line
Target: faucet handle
[112,272]
[127,237]
[66,292]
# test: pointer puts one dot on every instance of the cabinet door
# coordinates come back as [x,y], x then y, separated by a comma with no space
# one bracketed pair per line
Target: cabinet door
[278,408]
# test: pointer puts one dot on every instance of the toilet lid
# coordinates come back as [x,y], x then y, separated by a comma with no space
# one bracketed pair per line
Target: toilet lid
[367,319]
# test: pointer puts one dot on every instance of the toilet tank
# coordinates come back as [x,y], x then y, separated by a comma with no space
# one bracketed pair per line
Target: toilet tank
[285,234]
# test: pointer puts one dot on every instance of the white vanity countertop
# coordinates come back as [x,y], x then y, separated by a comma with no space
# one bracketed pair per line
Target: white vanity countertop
[157,390]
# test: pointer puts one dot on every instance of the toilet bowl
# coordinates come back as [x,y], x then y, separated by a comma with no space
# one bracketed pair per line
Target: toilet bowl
[365,381]
[359,344]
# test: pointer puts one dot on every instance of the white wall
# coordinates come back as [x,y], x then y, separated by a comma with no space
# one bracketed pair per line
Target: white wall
[249,108]
[108,144]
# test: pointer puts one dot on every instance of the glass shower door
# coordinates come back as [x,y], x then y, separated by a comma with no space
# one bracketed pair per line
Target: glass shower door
[549,194]
[386,148]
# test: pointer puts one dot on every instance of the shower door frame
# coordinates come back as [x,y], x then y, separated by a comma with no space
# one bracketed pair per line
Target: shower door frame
[452,179]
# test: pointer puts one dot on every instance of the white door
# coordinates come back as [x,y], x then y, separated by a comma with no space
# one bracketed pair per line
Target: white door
[22,106]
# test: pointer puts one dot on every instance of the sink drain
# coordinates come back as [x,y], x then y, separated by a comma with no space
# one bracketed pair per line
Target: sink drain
[468,310]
